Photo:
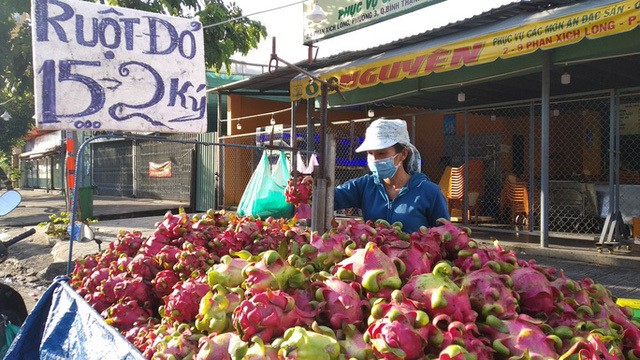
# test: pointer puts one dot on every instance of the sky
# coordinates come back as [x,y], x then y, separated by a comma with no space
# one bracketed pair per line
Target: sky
[286,25]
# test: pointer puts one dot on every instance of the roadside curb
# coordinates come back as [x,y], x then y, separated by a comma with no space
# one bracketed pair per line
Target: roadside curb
[587,256]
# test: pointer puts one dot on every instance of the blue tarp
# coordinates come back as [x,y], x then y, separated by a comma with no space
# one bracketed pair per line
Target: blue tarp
[63,326]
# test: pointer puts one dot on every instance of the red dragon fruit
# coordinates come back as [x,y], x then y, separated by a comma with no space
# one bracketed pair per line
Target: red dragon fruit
[453,238]
[133,288]
[521,337]
[298,192]
[491,293]
[142,335]
[398,330]
[535,291]
[372,268]
[216,307]
[456,333]
[217,346]
[164,282]
[267,315]
[179,343]
[327,250]
[167,256]
[414,256]
[192,258]
[438,294]
[500,260]
[143,266]
[341,302]
[127,242]
[353,345]
[183,302]
[125,314]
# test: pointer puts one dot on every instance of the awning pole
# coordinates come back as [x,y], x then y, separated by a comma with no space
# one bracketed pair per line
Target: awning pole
[544,150]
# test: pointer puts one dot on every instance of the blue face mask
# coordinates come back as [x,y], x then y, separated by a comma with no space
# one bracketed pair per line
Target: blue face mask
[383,168]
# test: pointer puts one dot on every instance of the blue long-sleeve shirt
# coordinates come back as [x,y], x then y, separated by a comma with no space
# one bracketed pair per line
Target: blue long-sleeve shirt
[420,201]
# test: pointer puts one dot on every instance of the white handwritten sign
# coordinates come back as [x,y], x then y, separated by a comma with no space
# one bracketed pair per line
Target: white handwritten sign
[99,67]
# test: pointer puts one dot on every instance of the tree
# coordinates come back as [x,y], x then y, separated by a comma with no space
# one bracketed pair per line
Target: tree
[16,71]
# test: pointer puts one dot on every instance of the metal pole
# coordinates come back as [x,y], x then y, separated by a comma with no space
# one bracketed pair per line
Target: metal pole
[465,206]
[218,168]
[616,166]
[294,142]
[330,172]
[320,201]
[544,150]
[134,166]
[413,129]
[532,173]
[310,126]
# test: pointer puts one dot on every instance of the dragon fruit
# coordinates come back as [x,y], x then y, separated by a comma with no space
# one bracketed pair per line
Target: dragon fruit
[438,294]
[491,293]
[164,282]
[133,288]
[258,351]
[592,348]
[228,272]
[521,336]
[398,330]
[178,343]
[453,238]
[167,256]
[456,333]
[298,192]
[267,315]
[143,266]
[182,303]
[353,345]
[271,272]
[216,307]
[372,268]
[502,261]
[125,314]
[327,250]
[302,344]
[142,335]
[535,291]
[217,346]
[127,242]
[192,258]
[341,302]
[414,257]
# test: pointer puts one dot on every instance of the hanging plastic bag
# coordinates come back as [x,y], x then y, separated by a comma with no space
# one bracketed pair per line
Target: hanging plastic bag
[264,196]
[8,332]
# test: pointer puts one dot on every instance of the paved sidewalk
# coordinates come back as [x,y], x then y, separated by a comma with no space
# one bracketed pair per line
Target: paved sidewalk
[38,205]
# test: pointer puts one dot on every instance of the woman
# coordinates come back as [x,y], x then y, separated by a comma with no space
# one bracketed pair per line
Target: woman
[396,190]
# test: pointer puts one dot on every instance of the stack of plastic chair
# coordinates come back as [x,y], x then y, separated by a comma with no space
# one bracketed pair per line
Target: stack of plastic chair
[515,196]
[452,186]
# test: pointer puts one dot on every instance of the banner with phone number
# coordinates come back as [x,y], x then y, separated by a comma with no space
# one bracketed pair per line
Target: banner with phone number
[594,23]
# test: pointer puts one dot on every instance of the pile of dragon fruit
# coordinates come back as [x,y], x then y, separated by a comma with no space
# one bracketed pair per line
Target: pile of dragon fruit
[221,286]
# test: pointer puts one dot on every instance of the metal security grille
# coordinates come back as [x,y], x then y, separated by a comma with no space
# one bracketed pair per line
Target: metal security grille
[112,168]
[177,186]
[579,163]
[487,161]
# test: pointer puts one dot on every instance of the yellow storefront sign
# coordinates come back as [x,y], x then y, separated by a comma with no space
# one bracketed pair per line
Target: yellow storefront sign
[594,23]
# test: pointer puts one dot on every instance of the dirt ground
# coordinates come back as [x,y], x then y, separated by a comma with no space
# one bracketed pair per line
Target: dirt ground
[30,267]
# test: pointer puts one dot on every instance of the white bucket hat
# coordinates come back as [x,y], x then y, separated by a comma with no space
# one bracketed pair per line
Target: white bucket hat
[383,133]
